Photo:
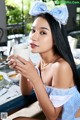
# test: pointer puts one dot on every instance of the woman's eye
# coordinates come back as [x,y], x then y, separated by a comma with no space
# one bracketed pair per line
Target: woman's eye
[32,30]
[42,33]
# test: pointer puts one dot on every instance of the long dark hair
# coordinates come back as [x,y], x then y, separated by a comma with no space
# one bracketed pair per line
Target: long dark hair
[62,46]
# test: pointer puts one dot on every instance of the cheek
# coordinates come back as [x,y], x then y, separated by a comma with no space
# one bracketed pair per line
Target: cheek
[48,44]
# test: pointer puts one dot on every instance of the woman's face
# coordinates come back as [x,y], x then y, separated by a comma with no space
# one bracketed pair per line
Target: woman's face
[40,36]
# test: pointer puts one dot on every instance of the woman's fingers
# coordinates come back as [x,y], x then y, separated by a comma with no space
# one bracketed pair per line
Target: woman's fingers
[11,56]
[26,68]
[12,63]
[18,58]
[21,59]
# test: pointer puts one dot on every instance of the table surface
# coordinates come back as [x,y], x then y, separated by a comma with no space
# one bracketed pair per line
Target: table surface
[17,102]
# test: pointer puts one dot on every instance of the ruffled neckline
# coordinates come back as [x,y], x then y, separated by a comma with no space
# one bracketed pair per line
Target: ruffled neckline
[63,89]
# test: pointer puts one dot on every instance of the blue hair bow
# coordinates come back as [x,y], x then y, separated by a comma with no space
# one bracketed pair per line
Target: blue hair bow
[60,13]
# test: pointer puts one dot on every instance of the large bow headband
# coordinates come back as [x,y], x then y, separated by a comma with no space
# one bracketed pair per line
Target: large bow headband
[60,13]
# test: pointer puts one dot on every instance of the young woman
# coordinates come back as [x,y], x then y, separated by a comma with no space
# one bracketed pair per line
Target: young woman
[56,82]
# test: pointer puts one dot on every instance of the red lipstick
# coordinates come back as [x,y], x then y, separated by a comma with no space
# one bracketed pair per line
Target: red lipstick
[33,45]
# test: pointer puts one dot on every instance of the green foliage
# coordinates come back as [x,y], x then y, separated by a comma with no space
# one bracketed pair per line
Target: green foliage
[13,15]
[17,11]
[28,27]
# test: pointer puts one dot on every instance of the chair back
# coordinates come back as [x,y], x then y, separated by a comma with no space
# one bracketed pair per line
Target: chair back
[1,33]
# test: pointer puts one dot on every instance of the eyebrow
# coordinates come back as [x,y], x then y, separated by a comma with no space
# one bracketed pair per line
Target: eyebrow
[44,28]
[41,27]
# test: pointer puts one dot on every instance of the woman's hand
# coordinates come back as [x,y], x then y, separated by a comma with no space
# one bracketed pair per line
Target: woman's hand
[25,68]
[12,61]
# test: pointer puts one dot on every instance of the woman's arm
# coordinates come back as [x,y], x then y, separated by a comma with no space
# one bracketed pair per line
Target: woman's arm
[25,85]
[62,78]
[28,70]
[49,110]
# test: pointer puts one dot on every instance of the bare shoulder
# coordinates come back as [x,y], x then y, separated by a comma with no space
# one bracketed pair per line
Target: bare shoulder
[63,75]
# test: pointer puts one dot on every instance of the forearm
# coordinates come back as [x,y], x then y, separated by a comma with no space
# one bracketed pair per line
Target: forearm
[25,85]
[44,100]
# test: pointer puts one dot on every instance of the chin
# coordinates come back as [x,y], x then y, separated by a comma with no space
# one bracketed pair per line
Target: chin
[33,51]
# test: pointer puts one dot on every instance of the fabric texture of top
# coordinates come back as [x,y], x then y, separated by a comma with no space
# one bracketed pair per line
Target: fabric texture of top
[69,99]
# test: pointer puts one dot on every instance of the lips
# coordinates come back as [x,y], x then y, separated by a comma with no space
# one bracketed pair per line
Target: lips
[33,45]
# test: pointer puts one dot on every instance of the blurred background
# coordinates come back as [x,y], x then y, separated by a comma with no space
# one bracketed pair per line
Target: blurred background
[15,21]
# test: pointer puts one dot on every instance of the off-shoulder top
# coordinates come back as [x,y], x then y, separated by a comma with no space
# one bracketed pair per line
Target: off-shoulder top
[69,99]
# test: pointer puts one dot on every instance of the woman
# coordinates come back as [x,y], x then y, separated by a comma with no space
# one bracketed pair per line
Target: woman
[56,85]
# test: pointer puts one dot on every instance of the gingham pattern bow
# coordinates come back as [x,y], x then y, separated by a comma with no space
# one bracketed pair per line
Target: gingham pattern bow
[60,13]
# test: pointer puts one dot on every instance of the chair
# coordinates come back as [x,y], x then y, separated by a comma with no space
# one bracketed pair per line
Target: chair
[1,43]
[73,42]
[1,33]
[78,70]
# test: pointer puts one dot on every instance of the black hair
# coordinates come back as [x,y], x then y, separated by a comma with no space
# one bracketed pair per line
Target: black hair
[62,46]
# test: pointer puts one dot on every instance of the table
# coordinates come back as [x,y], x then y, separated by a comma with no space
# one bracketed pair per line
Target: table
[18,102]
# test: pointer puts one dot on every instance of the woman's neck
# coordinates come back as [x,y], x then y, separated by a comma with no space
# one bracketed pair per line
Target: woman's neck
[47,57]
[45,61]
